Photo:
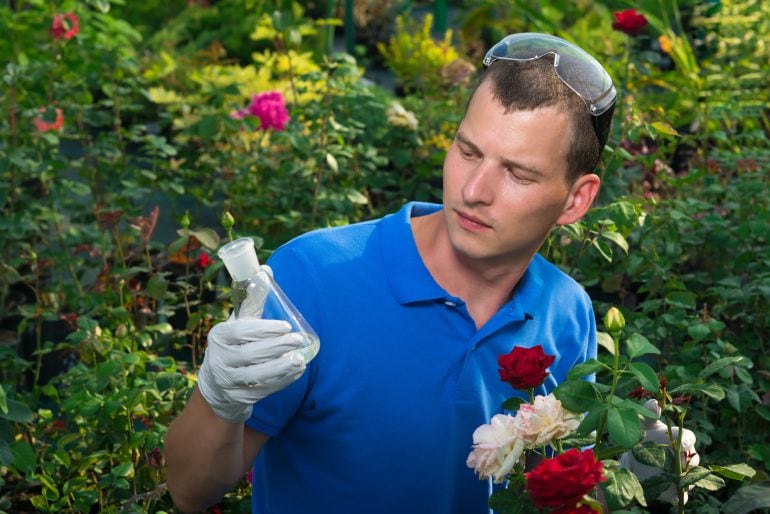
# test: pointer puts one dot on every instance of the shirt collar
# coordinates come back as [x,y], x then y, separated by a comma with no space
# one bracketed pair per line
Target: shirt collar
[409,279]
[411,282]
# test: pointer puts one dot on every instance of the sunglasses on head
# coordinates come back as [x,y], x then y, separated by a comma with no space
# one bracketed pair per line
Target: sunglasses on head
[575,67]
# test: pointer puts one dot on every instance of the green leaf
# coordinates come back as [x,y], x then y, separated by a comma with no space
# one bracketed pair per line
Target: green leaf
[207,236]
[617,238]
[683,299]
[24,458]
[157,287]
[585,368]
[207,127]
[3,401]
[6,455]
[646,376]
[621,488]
[356,197]
[18,412]
[624,426]
[638,345]
[735,471]
[8,274]
[603,249]
[332,162]
[710,483]
[719,365]
[698,332]
[161,328]
[604,340]
[640,409]
[577,395]
[711,390]
[664,129]
[512,404]
[123,470]
[749,498]
[650,454]
[655,485]
[694,475]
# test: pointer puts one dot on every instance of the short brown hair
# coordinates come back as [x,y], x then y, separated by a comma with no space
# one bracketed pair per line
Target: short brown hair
[528,85]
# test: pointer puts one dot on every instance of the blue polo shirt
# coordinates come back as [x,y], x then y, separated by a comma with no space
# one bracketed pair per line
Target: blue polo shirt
[382,420]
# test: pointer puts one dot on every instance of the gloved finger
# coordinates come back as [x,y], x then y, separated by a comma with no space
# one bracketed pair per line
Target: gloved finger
[268,374]
[239,331]
[256,352]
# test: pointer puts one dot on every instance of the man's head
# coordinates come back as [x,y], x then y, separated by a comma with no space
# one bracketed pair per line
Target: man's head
[529,71]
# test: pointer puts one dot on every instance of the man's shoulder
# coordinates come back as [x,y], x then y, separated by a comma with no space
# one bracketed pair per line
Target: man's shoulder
[554,282]
[327,245]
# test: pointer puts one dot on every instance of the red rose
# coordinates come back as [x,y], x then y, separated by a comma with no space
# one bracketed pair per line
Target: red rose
[524,368]
[65,26]
[629,21]
[580,509]
[565,479]
[204,261]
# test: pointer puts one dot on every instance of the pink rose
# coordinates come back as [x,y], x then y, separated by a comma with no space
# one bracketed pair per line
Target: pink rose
[41,125]
[270,108]
[544,421]
[65,26]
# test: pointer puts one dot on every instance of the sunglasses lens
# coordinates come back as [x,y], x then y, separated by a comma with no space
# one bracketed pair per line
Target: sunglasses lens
[576,68]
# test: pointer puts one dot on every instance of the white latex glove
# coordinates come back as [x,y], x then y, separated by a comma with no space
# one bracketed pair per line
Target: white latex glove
[246,360]
[655,431]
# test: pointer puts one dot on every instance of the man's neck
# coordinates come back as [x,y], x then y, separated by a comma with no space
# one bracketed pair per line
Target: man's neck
[484,286]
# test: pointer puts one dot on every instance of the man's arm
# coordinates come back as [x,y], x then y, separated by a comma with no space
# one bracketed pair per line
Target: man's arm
[208,448]
[206,456]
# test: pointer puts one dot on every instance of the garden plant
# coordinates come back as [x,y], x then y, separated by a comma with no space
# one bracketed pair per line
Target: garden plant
[138,137]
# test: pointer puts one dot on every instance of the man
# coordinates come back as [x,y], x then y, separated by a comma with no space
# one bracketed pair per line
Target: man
[412,311]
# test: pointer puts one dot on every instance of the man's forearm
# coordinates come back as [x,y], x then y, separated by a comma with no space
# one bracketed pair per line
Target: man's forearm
[204,455]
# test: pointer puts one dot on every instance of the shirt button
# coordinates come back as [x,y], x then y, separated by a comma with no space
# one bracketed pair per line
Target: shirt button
[449,303]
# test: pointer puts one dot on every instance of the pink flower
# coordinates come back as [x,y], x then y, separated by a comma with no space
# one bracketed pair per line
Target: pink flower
[629,21]
[270,108]
[41,125]
[65,26]
[544,421]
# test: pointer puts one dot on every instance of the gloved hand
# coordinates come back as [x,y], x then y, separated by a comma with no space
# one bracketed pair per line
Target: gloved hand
[246,360]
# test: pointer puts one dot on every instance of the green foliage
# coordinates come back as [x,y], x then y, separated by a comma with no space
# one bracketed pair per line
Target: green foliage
[104,304]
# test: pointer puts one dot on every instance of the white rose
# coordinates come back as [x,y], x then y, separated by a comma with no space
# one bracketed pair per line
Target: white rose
[544,421]
[656,431]
[496,448]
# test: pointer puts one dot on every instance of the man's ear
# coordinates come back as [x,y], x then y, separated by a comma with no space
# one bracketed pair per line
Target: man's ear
[582,194]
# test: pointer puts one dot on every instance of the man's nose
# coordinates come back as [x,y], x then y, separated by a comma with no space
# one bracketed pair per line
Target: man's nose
[481,183]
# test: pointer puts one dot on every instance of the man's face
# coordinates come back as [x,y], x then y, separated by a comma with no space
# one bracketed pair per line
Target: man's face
[505,180]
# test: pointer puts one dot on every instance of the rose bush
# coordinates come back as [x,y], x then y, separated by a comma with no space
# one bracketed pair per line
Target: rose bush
[551,428]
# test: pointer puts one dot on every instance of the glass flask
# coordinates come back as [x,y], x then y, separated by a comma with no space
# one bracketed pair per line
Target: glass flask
[256,295]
